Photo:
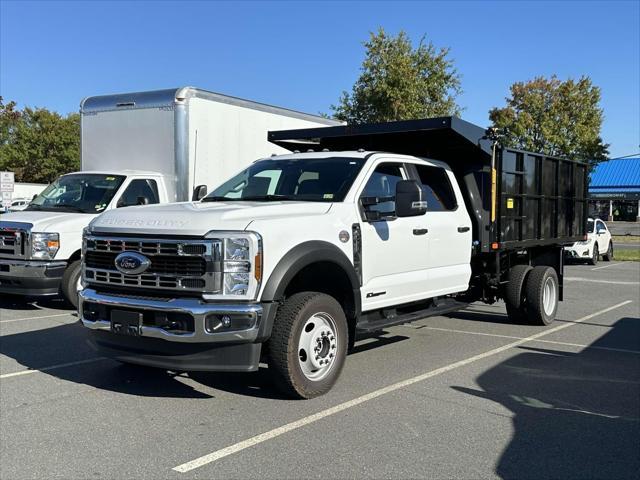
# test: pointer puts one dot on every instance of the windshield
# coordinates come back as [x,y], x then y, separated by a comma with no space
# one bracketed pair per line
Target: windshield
[305,179]
[84,193]
[590,224]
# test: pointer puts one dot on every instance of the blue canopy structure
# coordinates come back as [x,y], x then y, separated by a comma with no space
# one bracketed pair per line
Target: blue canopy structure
[614,190]
[616,179]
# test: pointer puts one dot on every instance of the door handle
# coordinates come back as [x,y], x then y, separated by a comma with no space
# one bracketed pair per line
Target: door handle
[463,229]
[420,231]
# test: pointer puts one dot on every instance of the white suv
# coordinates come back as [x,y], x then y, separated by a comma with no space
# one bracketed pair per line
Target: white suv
[598,243]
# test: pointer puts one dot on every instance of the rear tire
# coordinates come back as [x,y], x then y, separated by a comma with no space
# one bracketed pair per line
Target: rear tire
[308,345]
[596,255]
[513,295]
[607,257]
[542,293]
[70,282]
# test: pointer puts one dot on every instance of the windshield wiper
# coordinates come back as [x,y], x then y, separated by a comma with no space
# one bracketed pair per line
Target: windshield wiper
[70,207]
[252,198]
[217,199]
[265,198]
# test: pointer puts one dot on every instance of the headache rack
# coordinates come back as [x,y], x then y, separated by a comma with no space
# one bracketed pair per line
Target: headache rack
[516,199]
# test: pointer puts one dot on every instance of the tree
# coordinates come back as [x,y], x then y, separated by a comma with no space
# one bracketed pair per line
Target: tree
[553,117]
[37,144]
[399,82]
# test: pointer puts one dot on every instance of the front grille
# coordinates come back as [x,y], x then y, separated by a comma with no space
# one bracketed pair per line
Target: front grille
[13,242]
[185,265]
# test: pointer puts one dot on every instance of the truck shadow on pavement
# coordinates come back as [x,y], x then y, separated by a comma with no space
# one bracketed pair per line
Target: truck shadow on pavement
[66,343]
[575,415]
[258,384]
[11,302]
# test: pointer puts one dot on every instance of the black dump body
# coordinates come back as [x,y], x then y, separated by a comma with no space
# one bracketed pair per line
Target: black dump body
[539,200]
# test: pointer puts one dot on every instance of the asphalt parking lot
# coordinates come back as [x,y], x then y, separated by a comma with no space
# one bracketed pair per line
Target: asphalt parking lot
[461,396]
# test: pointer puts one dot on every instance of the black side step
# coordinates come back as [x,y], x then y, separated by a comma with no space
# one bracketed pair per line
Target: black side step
[373,321]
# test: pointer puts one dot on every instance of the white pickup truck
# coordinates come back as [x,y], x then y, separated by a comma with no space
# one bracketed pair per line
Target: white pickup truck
[136,148]
[289,259]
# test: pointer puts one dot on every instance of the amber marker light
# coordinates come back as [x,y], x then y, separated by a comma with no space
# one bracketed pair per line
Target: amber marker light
[257,270]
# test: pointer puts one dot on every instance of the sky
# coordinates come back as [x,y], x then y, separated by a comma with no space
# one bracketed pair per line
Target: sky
[302,55]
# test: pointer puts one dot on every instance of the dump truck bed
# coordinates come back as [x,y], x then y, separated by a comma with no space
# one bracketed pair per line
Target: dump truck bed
[535,199]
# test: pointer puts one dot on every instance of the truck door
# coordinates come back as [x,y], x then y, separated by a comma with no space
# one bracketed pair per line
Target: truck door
[449,233]
[394,257]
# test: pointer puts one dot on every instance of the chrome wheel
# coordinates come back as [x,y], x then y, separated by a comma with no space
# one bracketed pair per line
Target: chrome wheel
[549,296]
[317,346]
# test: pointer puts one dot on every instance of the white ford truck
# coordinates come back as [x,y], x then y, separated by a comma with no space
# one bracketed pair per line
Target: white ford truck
[289,259]
[136,148]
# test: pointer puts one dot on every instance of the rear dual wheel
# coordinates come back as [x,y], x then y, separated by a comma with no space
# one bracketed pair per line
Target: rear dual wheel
[532,294]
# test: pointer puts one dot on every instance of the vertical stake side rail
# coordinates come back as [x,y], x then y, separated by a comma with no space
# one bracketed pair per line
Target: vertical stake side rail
[540,165]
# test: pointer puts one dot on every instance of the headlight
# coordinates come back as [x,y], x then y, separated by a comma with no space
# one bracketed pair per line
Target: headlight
[44,246]
[583,242]
[241,264]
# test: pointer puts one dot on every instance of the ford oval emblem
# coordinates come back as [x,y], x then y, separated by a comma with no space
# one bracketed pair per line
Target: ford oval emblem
[132,263]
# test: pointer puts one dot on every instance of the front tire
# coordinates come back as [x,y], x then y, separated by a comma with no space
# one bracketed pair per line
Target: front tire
[596,255]
[70,283]
[607,257]
[308,345]
[542,294]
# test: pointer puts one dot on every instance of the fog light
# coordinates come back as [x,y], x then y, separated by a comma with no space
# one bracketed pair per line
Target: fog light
[229,322]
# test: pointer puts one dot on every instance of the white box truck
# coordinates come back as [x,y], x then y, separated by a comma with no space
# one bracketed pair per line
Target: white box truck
[136,149]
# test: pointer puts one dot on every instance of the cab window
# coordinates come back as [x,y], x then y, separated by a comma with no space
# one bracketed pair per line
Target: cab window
[382,184]
[437,188]
[140,192]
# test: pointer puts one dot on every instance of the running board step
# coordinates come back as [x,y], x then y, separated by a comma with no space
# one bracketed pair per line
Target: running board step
[373,321]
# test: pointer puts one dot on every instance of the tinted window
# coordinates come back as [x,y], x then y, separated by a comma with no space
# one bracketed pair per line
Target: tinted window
[138,191]
[324,179]
[437,187]
[382,183]
[78,192]
[590,226]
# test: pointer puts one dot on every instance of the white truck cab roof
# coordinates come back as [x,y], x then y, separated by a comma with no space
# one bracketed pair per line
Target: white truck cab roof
[128,173]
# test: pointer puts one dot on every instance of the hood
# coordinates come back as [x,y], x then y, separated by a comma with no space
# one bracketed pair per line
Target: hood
[198,218]
[50,221]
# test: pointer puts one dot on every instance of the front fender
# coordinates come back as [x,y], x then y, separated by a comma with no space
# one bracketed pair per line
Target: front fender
[292,263]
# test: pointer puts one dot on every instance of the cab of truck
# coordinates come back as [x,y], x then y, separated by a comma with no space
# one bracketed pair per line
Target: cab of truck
[40,246]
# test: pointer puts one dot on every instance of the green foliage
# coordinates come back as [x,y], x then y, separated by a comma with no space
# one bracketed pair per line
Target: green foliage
[554,117]
[399,82]
[37,144]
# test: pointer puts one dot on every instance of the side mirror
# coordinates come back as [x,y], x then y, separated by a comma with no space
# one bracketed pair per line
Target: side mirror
[199,193]
[142,201]
[410,200]
[372,210]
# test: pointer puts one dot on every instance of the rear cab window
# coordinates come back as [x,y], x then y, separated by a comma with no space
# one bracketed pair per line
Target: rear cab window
[437,188]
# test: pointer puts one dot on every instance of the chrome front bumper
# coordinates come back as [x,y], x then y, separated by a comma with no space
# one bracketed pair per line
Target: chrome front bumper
[196,308]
